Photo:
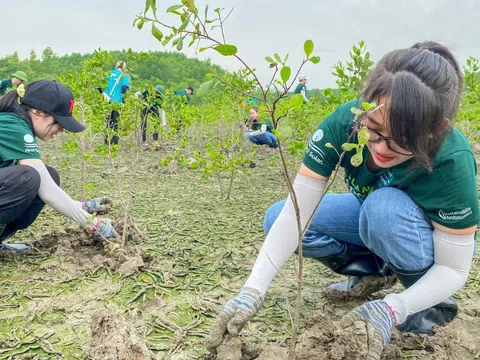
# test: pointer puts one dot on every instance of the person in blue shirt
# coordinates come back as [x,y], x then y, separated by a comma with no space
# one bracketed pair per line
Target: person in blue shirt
[118,85]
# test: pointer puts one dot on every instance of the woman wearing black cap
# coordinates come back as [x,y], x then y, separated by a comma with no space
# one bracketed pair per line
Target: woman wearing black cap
[42,109]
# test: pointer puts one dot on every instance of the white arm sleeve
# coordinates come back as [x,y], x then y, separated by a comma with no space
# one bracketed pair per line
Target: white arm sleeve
[282,239]
[58,199]
[304,95]
[453,259]
[262,130]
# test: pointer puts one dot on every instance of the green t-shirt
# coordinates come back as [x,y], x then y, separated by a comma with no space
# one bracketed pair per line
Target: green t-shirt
[5,84]
[17,141]
[182,93]
[448,195]
[301,87]
[257,125]
[156,100]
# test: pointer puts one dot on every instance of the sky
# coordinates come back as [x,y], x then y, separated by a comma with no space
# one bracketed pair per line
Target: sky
[259,28]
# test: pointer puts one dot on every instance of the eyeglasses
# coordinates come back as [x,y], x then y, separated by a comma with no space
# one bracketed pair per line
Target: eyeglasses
[376,137]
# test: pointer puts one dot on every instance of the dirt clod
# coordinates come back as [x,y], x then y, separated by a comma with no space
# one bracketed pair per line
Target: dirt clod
[113,338]
[366,287]
[131,266]
[79,251]
[231,349]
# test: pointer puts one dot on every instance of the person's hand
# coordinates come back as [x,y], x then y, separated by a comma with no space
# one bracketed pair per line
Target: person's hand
[102,228]
[247,134]
[236,313]
[106,97]
[379,319]
[101,205]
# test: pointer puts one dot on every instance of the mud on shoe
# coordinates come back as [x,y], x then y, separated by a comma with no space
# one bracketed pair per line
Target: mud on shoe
[14,249]
[357,287]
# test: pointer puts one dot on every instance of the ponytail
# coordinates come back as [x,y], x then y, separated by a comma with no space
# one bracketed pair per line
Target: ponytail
[10,103]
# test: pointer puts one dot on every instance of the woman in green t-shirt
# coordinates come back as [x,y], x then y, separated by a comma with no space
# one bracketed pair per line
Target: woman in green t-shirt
[40,110]
[411,213]
[260,132]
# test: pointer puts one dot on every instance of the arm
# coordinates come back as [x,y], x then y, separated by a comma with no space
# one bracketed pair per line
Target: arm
[262,130]
[282,240]
[453,253]
[54,196]
[304,94]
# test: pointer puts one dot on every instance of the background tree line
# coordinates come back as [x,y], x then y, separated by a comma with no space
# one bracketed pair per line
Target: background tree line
[171,70]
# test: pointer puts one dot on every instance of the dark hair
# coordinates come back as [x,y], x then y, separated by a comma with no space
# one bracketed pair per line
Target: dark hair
[422,87]
[10,103]
[256,109]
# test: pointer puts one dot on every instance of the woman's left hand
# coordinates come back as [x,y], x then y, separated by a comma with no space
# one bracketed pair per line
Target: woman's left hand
[101,205]
[379,320]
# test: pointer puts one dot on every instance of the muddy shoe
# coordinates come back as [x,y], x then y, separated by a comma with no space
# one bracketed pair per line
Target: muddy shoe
[146,146]
[17,249]
[356,287]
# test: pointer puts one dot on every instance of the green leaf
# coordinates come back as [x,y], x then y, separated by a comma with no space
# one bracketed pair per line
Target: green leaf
[284,132]
[285,73]
[363,136]
[277,57]
[349,147]
[150,4]
[174,8]
[206,12]
[296,101]
[202,49]
[156,32]
[357,160]
[269,59]
[226,50]
[183,26]
[140,24]
[180,44]
[356,111]
[367,106]
[315,59]
[286,58]
[308,48]
[329,145]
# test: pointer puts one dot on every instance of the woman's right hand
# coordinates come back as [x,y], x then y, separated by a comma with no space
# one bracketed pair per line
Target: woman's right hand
[234,316]
[103,227]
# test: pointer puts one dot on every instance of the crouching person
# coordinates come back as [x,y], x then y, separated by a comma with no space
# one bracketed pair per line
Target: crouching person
[42,109]
[260,131]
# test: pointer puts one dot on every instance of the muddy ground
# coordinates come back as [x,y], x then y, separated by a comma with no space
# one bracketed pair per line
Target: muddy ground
[72,298]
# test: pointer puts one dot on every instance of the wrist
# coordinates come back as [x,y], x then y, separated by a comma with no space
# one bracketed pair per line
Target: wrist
[392,313]
[93,225]
[252,292]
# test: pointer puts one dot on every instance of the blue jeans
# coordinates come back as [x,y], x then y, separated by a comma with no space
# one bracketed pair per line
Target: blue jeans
[266,138]
[388,223]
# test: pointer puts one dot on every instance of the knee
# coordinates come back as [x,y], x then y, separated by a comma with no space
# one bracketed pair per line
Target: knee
[271,215]
[54,174]
[394,227]
[27,178]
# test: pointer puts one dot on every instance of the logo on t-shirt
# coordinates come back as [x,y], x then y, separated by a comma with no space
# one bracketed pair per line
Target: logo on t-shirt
[30,144]
[318,135]
[28,138]
[455,215]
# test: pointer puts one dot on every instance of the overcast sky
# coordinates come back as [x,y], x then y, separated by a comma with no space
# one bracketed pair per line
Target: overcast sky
[258,27]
